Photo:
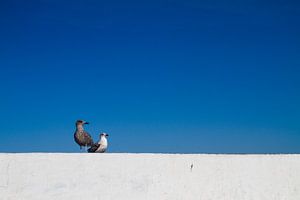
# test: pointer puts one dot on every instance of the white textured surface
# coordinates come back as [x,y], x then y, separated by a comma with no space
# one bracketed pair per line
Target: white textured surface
[149,176]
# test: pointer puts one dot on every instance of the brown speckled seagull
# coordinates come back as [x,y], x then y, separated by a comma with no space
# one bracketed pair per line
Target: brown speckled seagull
[82,138]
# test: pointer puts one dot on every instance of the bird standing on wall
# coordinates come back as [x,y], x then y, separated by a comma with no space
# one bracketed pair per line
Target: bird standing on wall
[82,138]
[100,146]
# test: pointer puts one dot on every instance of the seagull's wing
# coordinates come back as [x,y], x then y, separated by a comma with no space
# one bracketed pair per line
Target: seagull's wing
[87,138]
[93,148]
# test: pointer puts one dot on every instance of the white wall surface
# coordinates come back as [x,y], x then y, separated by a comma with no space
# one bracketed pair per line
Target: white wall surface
[149,176]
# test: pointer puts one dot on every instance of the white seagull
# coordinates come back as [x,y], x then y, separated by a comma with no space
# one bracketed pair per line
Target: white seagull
[100,146]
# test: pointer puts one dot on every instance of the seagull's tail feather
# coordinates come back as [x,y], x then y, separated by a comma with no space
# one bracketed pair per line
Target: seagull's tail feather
[93,148]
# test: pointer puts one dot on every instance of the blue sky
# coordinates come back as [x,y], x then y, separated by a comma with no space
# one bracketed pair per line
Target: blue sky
[158,76]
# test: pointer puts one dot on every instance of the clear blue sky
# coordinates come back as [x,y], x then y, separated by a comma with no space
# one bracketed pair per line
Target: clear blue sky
[158,76]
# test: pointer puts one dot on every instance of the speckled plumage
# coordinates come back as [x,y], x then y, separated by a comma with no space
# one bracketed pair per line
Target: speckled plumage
[81,137]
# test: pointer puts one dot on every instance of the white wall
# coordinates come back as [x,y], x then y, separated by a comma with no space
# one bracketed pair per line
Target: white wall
[149,176]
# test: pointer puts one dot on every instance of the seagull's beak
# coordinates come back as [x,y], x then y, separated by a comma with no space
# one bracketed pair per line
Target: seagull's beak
[106,135]
[86,123]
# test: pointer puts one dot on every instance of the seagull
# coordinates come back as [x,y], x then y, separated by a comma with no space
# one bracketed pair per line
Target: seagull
[100,146]
[82,138]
